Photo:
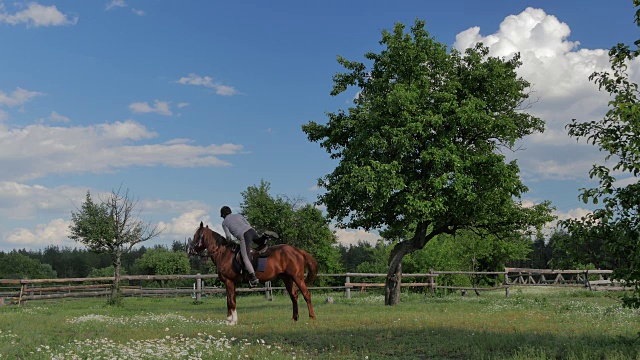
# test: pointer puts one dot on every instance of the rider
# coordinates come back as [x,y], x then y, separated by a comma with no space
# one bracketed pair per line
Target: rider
[238,226]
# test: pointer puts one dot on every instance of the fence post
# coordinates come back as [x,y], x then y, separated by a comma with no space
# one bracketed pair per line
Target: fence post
[198,288]
[348,288]
[506,282]
[432,285]
[587,283]
[23,287]
[268,291]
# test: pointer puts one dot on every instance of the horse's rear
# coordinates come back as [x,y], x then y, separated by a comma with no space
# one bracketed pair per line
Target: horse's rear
[289,264]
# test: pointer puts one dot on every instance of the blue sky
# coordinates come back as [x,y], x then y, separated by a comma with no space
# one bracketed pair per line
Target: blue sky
[188,103]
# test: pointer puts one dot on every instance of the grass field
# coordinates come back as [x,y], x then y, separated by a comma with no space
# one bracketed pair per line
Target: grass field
[533,323]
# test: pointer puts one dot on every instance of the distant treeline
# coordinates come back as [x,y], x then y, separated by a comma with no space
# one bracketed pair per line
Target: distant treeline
[466,251]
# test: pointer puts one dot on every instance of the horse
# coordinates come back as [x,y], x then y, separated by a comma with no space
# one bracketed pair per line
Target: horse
[284,262]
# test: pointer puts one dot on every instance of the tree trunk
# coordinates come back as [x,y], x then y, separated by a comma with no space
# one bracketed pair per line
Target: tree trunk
[392,286]
[394,276]
[115,289]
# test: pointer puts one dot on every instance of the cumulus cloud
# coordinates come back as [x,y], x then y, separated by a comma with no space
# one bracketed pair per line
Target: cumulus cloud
[559,72]
[348,236]
[138,12]
[159,107]
[206,81]
[35,151]
[55,232]
[184,225]
[575,213]
[21,201]
[17,97]
[55,117]
[36,15]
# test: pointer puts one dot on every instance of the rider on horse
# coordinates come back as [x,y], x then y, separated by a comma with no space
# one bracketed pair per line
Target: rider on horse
[238,226]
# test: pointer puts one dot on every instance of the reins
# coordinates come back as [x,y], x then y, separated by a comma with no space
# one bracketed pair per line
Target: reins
[219,245]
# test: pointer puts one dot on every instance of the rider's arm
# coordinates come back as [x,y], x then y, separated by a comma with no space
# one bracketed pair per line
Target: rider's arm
[227,233]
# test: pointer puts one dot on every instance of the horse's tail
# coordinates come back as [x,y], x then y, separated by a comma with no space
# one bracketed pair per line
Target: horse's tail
[312,265]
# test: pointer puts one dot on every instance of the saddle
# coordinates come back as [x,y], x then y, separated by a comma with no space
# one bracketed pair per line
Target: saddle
[258,255]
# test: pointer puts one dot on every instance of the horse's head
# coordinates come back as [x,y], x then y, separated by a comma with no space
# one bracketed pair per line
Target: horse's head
[198,244]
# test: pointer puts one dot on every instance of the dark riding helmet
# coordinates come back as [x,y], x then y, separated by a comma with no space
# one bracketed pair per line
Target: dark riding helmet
[224,211]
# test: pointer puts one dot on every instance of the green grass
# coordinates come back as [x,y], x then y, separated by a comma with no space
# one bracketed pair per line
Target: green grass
[533,323]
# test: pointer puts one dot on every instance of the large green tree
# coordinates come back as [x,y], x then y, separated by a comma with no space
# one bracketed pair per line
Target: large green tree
[421,147]
[617,223]
[110,227]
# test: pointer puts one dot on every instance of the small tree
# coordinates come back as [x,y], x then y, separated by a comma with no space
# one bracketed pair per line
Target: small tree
[112,227]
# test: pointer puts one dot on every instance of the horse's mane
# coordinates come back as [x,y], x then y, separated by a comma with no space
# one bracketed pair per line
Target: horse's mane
[218,239]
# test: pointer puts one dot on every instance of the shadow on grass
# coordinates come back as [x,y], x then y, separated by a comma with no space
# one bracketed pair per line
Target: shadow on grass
[449,343]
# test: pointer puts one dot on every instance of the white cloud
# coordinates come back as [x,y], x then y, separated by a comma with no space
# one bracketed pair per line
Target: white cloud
[113,4]
[56,232]
[559,73]
[39,150]
[138,12]
[182,105]
[55,117]
[21,201]
[627,181]
[185,224]
[4,116]
[159,107]
[17,97]
[576,213]
[36,15]
[348,236]
[206,81]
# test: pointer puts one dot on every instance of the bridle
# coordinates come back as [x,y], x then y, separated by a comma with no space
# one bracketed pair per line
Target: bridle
[191,249]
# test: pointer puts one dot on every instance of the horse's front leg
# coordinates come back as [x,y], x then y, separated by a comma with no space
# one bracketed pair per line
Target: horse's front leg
[232,315]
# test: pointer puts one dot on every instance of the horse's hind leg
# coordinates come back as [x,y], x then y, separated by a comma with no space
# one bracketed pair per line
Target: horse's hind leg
[293,294]
[306,294]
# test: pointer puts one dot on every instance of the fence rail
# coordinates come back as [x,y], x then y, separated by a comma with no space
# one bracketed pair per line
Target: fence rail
[28,289]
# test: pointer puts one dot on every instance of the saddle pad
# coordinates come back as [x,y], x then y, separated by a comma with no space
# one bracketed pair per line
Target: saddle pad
[262,264]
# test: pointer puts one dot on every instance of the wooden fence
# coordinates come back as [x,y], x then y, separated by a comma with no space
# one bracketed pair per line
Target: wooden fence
[591,279]
[38,289]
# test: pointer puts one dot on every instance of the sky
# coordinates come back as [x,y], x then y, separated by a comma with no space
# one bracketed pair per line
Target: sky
[188,103]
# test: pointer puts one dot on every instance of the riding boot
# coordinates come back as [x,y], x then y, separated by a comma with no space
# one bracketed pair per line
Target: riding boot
[254,282]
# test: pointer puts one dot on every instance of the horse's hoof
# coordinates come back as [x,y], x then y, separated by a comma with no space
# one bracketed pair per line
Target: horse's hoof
[231,322]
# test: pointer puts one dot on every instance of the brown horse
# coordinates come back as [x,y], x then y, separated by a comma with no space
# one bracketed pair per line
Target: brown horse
[284,262]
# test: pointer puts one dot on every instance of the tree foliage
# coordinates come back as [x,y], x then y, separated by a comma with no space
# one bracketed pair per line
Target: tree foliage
[161,261]
[617,224]
[421,147]
[15,265]
[298,223]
